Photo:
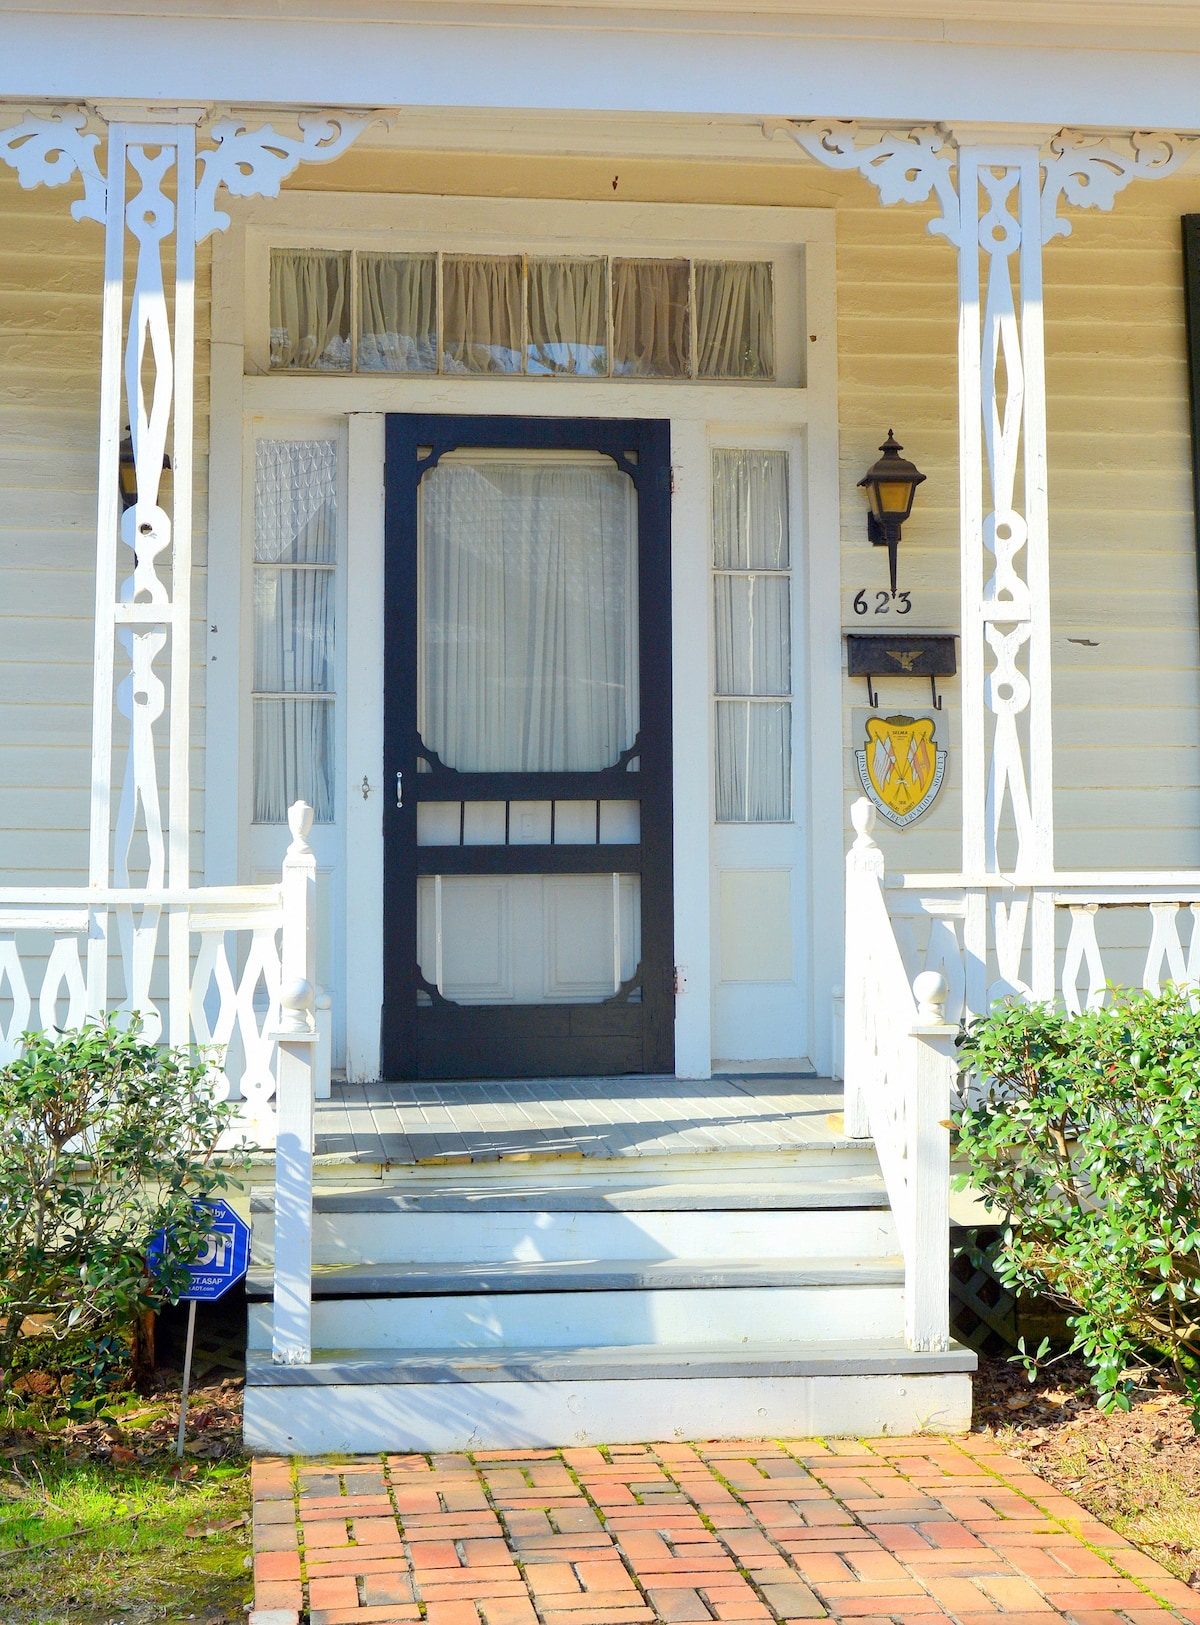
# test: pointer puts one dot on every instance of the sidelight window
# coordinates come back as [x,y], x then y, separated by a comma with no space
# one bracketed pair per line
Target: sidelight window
[752,616]
[295,563]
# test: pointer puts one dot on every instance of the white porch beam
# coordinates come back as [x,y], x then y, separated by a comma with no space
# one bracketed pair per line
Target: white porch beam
[1105,66]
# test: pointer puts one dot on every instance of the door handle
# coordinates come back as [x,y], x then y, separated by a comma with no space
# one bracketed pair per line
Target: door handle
[399,789]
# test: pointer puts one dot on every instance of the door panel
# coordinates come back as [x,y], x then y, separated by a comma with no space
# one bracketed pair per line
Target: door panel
[527,727]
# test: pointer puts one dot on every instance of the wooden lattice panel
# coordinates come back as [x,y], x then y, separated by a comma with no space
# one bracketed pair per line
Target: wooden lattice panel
[983,1312]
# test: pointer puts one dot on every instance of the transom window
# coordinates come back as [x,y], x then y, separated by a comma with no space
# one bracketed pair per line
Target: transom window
[521,316]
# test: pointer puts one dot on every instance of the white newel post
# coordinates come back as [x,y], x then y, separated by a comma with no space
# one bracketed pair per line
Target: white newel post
[927,1262]
[297,1039]
[863,861]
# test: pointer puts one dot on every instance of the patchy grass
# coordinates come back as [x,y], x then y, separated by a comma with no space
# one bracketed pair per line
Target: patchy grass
[99,1525]
[1138,1470]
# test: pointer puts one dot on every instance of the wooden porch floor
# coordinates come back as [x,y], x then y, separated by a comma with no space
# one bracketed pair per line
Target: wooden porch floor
[409,1123]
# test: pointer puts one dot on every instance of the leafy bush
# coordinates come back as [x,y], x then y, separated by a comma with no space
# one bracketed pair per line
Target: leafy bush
[104,1140]
[1089,1141]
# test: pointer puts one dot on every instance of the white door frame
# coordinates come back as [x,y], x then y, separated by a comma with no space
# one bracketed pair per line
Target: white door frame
[243,396]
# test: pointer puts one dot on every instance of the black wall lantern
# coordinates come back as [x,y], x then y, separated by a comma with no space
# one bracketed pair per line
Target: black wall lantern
[890,484]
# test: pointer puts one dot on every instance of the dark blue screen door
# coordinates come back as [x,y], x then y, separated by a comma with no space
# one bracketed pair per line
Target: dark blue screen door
[527,909]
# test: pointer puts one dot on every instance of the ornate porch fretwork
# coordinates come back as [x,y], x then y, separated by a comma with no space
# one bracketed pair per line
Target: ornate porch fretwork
[999,195]
[161,191]
[904,166]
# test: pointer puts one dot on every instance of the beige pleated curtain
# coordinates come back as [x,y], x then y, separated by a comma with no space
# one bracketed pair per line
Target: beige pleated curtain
[593,317]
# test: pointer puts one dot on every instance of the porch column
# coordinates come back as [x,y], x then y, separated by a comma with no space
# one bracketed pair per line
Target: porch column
[1004,539]
[999,193]
[161,191]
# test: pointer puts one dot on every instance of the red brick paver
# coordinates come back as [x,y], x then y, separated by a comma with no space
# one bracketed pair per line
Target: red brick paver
[751,1532]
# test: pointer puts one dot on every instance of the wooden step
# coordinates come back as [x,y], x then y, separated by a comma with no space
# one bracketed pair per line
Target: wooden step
[579,1316]
[522,1194]
[407,1280]
[879,1357]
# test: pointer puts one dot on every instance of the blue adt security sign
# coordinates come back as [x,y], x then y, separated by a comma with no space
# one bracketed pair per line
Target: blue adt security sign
[224,1256]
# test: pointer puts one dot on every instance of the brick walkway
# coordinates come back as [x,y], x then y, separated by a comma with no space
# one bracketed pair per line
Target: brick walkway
[904,1530]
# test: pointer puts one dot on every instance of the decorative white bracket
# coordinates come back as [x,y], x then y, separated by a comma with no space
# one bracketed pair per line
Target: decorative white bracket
[255,163]
[903,166]
[908,166]
[146,382]
[50,149]
[999,195]
[1088,171]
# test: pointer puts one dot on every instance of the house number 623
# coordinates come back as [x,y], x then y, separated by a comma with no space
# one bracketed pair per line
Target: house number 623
[883,602]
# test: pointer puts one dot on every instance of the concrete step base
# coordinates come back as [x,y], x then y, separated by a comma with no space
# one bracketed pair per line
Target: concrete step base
[374,1400]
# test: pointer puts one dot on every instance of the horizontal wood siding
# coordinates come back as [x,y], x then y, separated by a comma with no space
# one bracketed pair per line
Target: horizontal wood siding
[51,283]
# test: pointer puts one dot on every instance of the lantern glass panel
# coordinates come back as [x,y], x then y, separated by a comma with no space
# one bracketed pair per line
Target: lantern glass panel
[894,497]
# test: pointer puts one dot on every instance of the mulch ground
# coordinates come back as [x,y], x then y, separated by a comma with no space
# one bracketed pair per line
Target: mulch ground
[146,1433]
[1138,1469]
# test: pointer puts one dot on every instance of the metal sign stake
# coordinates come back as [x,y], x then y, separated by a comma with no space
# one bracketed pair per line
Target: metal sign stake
[187,1377]
[222,1262]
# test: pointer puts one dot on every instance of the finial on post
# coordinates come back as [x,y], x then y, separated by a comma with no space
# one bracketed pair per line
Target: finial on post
[862,816]
[931,990]
[296,1000]
[300,821]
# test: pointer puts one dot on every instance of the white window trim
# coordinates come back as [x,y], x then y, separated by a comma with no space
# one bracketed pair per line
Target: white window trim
[702,415]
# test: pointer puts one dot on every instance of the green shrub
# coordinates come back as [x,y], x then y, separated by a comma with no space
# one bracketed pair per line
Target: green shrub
[104,1140]
[1088,1141]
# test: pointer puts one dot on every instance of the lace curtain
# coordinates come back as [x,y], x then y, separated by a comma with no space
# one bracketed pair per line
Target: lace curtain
[752,613]
[529,592]
[295,559]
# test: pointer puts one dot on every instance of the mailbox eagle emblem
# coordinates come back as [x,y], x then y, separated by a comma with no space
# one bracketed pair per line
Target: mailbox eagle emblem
[901,766]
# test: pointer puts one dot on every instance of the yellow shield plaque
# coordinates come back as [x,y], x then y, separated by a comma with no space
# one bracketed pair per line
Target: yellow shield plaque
[901,766]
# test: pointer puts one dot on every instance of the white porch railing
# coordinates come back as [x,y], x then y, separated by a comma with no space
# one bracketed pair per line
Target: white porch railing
[257,1002]
[1120,928]
[217,985]
[899,1074]
[925,952]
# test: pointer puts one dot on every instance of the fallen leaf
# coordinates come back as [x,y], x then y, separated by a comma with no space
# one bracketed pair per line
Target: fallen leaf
[198,1531]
